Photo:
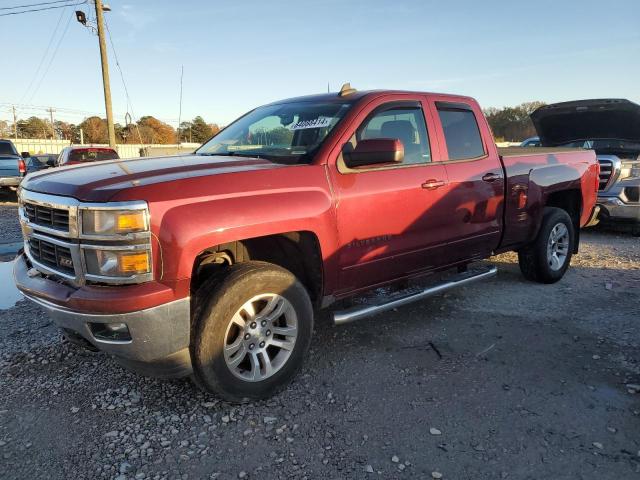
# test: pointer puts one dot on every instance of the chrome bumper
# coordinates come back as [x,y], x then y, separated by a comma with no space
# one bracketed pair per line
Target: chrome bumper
[158,337]
[159,344]
[10,181]
[614,208]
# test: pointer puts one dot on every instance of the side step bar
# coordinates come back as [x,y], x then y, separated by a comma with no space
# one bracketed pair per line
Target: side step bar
[358,312]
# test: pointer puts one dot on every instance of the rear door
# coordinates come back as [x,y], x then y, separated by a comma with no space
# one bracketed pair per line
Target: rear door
[389,223]
[476,181]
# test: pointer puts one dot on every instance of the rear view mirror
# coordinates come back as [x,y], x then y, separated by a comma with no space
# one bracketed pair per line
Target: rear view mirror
[374,151]
[25,154]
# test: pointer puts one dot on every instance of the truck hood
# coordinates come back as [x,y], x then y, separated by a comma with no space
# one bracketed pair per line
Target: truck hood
[566,122]
[100,181]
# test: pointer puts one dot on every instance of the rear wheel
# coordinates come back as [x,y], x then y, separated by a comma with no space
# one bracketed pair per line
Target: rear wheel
[547,259]
[252,330]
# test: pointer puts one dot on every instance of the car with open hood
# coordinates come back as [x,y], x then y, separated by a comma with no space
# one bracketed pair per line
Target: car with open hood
[611,127]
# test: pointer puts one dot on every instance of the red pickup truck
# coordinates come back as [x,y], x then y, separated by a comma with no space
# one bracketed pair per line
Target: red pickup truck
[211,264]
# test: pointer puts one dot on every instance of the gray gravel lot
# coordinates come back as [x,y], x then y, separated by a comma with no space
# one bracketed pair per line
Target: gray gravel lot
[501,380]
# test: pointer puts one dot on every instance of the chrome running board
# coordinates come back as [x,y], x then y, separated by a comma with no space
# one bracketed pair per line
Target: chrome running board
[404,297]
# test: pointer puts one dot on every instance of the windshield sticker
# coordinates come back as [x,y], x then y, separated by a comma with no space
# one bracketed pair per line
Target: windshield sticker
[319,122]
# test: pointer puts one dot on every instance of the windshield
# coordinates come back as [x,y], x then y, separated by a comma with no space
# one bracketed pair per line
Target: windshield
[288,132]
[7,148]
[603,144]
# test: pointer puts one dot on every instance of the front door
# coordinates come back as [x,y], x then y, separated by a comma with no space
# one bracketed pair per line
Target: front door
[388,216]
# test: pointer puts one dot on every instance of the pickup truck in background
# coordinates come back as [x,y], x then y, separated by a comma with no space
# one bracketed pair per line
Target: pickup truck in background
[12,166]
[212,264]
[77,154]
[611,127]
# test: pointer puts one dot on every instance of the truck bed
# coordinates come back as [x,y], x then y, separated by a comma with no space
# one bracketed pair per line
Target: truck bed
[532,176]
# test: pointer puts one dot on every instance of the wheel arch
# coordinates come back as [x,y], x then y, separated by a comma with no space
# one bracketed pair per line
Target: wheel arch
[570,201]
[297,251]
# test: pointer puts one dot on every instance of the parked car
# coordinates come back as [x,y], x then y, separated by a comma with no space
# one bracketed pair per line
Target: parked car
[611,127]
[82,154]
[531,142]
[211,264]
[12,166]
[41,161]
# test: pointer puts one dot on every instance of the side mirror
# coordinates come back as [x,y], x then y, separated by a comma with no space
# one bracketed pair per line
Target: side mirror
[51,162]
[25,155]
[374,151]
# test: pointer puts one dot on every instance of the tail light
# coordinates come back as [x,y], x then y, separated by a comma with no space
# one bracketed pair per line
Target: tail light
[22,167]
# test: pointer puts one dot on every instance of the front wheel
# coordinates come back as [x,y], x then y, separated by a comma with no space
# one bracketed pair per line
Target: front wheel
[547,259]
[252,331]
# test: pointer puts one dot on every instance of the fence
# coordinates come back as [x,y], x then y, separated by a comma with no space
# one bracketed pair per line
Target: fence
[43,145]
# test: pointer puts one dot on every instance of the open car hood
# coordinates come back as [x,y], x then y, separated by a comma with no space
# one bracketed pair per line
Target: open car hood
[565,122]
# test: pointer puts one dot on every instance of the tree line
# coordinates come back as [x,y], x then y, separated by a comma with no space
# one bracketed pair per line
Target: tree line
[147,130]
[512,124]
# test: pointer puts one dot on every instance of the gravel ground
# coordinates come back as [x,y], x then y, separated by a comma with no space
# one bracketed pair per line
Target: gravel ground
[501,380]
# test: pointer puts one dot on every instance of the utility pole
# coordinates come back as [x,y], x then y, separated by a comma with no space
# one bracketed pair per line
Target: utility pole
[180,110]
[15,123]
[105,74]
[53,130]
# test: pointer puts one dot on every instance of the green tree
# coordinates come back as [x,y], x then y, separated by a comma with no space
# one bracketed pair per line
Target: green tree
[512,123]
[34,127]
[200,131]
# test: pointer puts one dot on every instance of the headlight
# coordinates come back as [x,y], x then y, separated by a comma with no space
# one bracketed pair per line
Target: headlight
[114,222]
[630,170]
[117,263]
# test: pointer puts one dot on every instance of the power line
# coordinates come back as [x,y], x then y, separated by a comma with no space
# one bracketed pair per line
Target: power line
[35,10]
[53,55]
[124,84]
[46,52]
[34,4]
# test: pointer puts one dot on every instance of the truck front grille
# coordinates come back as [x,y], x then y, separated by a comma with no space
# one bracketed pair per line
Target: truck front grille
[47,217]
[606,171]
[51,255]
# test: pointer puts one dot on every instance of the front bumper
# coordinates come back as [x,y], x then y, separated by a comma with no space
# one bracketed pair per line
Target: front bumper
[159,335]
[616,210]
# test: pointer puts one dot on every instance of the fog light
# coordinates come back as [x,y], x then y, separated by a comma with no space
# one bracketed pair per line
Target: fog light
[118,332]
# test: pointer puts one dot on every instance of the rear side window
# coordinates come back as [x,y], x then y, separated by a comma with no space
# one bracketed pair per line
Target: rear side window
[91,155]
[461,133]
[7,148]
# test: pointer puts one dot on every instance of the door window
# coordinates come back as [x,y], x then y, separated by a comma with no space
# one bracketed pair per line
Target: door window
[461,133]
[404,123]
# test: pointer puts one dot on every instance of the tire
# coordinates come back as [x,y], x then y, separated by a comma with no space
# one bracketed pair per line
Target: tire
[537,262]
[225,329]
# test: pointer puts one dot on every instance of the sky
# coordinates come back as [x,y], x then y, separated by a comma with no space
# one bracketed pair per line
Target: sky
[240,54]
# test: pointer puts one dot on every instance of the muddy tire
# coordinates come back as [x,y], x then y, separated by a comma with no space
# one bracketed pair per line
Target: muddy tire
[547,259]
[252,330]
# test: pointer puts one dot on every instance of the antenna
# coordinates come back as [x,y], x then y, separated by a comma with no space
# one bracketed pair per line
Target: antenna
[180,111]
[346,90]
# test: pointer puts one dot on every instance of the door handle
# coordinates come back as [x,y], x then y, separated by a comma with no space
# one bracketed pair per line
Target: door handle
[491,177]
[432,184]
